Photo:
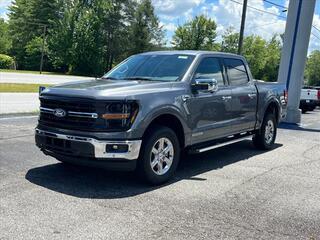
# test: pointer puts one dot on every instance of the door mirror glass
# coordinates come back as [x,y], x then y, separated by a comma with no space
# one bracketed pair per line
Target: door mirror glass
[205,85]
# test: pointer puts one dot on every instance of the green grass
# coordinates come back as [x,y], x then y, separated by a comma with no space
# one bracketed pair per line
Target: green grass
[29,71]
[20,87]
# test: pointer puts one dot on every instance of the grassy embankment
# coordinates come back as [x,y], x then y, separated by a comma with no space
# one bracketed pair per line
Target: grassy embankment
[29,71]
[20,87]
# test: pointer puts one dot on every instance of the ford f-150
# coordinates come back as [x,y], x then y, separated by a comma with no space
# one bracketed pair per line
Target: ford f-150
[153,106]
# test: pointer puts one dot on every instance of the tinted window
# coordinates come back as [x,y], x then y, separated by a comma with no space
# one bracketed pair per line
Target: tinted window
[157,67]
[210,68]
[236,71]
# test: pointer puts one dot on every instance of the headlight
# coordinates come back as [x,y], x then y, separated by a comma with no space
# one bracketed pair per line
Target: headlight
[120,115]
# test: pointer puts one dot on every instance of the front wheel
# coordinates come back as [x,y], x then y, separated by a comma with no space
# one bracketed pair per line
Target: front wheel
[159,155]
[264,139]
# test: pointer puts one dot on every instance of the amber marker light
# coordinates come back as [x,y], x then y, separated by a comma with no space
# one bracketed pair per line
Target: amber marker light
[115,116]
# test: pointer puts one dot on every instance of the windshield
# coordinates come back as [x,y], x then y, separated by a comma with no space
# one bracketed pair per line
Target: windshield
[152,67]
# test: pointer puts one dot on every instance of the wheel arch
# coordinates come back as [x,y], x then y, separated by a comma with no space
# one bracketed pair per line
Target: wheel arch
[172,120]
[272,106]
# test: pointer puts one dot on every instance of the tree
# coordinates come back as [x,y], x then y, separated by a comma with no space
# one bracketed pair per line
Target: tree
[197,34]
[27,19]
[145,31]
[273,55]
[230,40]
[5,41]
[313,68]
[89,36]
[263,57]
[83,36]
[255,51]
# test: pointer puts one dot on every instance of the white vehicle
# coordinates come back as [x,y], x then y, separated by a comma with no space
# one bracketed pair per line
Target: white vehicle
[308,99]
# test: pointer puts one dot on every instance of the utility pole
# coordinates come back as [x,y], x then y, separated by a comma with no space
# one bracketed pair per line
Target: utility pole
[243,22]
[43,46]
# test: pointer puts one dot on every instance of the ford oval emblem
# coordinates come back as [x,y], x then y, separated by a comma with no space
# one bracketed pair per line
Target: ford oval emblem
[59,113]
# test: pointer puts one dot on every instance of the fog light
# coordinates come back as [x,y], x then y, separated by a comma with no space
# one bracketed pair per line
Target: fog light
[117,148]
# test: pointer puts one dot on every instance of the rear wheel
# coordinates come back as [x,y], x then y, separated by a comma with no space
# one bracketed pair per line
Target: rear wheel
[159,155]
[264,139]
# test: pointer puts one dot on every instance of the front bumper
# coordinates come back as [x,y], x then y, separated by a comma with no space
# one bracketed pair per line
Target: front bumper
[79,146]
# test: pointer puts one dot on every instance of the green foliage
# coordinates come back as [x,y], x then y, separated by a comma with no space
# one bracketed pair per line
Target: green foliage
[313,69]
[27,19]
[33,51]
[255,51]
[6,62]
[145,32]
[273,55]
[230,40]
[197,34]
[91,36]
[5,42]
[263,57]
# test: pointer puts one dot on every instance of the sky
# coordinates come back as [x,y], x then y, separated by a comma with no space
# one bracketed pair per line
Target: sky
[225,13]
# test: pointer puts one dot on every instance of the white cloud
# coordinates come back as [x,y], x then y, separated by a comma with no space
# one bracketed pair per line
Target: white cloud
[171,27]
[4,3]
[228,14]
[3,8]
[169,9]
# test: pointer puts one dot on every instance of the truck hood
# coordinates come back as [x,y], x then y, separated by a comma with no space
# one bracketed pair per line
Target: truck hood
[101,88]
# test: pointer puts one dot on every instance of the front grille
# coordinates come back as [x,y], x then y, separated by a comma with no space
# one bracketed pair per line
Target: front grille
[69,105]
[70,121]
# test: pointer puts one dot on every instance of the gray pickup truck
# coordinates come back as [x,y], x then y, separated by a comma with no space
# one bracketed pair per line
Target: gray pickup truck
[153,106]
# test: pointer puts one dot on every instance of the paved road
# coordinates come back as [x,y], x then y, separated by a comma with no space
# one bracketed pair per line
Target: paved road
[19,102]
[6,77]
[28,102]
[235,192]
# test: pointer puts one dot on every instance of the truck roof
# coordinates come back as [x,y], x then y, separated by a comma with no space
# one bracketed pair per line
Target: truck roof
[192,52]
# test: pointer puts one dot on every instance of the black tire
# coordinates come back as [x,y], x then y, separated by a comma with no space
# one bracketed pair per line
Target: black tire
[259,139]
[150,141]
[303,110]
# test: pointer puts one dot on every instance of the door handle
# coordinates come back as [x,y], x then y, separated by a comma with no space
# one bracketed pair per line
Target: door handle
[225,98]
[252,95]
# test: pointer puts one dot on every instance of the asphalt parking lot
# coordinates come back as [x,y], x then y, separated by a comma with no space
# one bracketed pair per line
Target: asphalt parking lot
[234,192]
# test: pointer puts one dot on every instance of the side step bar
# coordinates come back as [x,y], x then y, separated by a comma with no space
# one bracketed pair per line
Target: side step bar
[221,143]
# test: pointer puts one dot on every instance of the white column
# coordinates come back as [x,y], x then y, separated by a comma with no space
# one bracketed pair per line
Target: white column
[294,53]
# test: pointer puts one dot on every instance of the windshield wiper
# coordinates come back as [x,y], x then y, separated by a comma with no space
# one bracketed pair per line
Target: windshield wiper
[110,78]
[139,78]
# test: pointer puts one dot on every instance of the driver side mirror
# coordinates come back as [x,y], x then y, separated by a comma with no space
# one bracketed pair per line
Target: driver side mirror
[205,85]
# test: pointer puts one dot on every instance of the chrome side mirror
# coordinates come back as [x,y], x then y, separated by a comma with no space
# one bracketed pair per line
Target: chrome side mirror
[205,85]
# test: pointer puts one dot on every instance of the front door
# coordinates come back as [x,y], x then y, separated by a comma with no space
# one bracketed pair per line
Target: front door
[210,112]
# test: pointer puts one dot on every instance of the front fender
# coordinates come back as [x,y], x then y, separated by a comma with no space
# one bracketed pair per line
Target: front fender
[148,116]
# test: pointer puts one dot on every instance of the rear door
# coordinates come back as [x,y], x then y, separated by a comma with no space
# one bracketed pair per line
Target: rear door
[244,95]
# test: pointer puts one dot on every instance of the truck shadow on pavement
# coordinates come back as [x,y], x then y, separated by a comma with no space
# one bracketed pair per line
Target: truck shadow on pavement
[297,128]
[85,182]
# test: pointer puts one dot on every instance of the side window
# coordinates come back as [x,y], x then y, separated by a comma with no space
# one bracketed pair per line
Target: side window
[210,68]
[236,71]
